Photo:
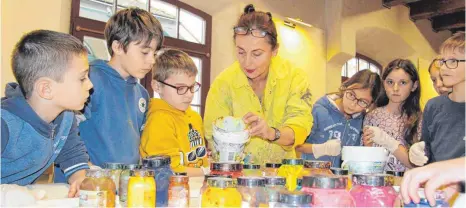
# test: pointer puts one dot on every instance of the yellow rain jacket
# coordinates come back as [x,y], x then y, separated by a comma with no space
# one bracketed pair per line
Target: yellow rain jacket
[175,133]
[286,102]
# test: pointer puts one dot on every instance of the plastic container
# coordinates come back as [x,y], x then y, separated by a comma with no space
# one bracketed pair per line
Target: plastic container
[178,191]
[314,167]
[398,177]
[271,169]
[373,190]
[141,188]
[252,190]
[226,169]
[161,166]
[115,172]
[221,192]
[343,172]
[439,200]
[291,169]
[273,186]
[252,170]
[327,191]
[97,189]
[230,137]
[294,199]
[124,179]
[364,160]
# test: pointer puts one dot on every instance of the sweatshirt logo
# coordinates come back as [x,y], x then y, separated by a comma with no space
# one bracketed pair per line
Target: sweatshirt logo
[142,105]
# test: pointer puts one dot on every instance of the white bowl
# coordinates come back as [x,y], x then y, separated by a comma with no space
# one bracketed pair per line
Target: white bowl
[365,154]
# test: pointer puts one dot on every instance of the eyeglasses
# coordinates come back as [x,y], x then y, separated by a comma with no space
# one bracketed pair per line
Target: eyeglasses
[181,90]
[450,63]
[198,153]
[351,96]
[254,32]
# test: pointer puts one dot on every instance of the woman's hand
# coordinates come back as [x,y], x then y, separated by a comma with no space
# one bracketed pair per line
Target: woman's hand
[258,127]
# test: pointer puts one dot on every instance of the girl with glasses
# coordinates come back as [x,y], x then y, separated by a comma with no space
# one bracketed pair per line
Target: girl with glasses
[338,118]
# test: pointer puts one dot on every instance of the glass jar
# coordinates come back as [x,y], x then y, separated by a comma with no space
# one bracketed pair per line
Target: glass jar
[439,200]
[252,191]
[124,179]
[342,172]
[205,185]
[141,188]
[273,186]
[271,169]
[373,190]
[294,199]
[226,169]
[291,169]
[312,167]
[161,166]
[398,177]
[221,192]
[252,170]
[115,172]
[97,189]
[327,190]
[178,191]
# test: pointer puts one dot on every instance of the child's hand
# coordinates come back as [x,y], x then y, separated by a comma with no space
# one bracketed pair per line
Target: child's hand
[381,138]
[367,136]
[258,126]
[417,154]
[75,182]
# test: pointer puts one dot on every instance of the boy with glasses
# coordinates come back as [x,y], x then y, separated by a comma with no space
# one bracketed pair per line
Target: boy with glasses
[172,127]
[444,116]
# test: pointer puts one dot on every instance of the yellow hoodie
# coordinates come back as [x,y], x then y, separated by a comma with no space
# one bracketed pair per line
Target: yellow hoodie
[175,133]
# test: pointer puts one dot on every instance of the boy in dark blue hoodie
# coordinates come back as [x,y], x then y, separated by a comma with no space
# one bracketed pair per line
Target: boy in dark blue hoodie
[38,125]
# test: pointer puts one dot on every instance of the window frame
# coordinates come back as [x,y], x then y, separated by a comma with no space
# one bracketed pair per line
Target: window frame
[360,57]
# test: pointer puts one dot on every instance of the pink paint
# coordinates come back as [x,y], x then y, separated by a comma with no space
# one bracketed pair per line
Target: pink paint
[329,197]
[373,196]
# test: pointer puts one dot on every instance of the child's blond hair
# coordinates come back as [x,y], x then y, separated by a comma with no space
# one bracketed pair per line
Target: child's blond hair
[455,42]
[170,61]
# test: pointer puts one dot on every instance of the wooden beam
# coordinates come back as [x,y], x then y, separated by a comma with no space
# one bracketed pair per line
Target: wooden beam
[427,9]
[448,21]
[391,3]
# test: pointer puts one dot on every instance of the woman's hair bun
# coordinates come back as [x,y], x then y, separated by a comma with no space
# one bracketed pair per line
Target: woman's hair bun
[249,8]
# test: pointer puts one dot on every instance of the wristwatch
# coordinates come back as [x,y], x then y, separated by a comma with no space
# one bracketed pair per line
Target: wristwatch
[277,134]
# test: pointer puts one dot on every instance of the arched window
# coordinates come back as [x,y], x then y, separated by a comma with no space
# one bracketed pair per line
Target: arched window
[360,62]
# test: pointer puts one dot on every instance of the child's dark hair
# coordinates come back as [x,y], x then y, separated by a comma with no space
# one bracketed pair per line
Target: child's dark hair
[411,106]
[170,61]
[133,25]
[259,20]
[43,53]
[365,79]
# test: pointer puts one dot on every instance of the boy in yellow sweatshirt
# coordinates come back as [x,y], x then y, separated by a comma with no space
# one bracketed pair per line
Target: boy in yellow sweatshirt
[172,128]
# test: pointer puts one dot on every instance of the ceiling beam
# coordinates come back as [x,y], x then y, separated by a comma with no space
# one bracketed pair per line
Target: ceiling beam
[391,3]
[427,9]
[448,21]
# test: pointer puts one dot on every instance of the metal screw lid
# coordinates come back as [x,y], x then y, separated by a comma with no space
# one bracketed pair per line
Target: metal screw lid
[373,179]
[216,175]
[295,198]
[131,166]
[156,161]
[275,180]
[251,181]
[273,165]
[320,164]
[142,172]
[97,173]
[339,171]
[218,182]
[395,173]
[113,166]
[251,166]
[225,166]
[180,173]
[179,178]
[293,162]
[325,182]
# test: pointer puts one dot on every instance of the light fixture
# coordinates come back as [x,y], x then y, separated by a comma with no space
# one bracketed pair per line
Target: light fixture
[299,21]
[290,24]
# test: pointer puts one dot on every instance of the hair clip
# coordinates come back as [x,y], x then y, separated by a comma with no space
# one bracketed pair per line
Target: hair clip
[249,9]
[160,52]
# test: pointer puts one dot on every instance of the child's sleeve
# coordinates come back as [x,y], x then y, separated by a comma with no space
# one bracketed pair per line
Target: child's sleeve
[5,135]
[93,102]
[425,133]
[73,156]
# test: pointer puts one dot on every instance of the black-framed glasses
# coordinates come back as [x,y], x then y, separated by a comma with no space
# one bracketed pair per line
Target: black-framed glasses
[450,63]
[254,32]
[351,96]
[181,90]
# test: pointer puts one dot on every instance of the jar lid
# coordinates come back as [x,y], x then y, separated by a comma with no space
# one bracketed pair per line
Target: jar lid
[273,165]
[113,166]
[96,173]
[275,180]
[320,164]
[251,181]
[325,181]
[339,171]
[179,178]
[156,161]
[131,166]
[180,173]
[295,197]
[142,172]
[221,182]
[395,173]
[216,175]
[373,179]
[225,166]
[292,161]
[251,166]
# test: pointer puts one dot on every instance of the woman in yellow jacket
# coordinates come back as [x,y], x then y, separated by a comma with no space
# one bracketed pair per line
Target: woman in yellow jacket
[271,96]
